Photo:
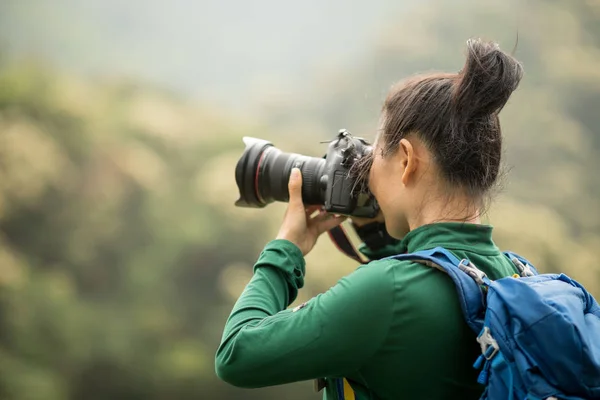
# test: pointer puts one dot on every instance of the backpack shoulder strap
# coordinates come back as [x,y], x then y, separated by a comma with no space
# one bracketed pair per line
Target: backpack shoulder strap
[469,281]
[525,267]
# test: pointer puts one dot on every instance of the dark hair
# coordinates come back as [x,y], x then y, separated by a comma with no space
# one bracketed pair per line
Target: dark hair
[456,116]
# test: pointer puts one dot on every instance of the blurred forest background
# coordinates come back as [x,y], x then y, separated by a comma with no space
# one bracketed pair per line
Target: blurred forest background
[121,252]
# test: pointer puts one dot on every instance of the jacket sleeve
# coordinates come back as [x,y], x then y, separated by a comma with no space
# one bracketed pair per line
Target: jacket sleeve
[266,344]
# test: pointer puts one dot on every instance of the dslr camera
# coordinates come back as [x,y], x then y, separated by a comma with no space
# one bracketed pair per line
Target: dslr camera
[263,171]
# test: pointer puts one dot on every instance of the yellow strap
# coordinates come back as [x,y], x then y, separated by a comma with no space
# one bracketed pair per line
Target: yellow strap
[348,392]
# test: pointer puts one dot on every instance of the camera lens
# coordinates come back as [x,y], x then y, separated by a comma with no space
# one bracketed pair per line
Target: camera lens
[263,172]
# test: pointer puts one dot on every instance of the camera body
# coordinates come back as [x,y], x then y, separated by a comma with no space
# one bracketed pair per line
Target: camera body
[343,193]
[263,172]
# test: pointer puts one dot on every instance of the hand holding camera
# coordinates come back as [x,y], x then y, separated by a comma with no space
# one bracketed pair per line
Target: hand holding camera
[299,225]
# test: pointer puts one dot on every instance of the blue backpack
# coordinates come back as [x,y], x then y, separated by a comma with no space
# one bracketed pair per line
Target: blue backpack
[539,334]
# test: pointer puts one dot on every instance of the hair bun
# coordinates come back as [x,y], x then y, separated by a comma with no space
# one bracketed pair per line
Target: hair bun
[486,81]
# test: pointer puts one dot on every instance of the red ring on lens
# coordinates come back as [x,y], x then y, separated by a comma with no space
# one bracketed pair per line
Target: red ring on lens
[260,160]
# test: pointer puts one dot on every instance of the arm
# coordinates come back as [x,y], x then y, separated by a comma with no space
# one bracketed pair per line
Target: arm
[331,335]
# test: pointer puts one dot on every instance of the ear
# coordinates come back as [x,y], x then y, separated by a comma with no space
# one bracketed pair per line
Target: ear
[408,160]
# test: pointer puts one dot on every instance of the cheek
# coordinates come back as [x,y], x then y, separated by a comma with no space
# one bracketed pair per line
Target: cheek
[386,190]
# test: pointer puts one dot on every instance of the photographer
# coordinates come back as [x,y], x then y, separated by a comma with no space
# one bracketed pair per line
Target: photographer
[391,329]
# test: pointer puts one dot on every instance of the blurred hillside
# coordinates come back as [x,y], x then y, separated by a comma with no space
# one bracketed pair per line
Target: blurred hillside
[121,252]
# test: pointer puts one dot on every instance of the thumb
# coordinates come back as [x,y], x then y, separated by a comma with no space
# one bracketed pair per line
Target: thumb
[295,188]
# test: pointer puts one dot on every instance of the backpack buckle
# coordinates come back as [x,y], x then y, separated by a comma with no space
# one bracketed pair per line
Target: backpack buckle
[487,343]
[470,269]
[524,269]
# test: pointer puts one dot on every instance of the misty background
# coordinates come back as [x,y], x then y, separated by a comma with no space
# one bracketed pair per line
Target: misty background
[221,52]
[121,253]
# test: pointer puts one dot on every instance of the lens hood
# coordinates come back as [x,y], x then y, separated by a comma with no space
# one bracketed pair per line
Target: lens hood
[246,172]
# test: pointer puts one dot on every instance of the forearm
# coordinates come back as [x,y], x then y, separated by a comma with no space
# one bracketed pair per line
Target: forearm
[264,344]
[278,274]
[265,295]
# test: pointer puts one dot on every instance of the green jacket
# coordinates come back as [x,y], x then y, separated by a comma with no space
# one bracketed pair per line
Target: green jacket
[393,329]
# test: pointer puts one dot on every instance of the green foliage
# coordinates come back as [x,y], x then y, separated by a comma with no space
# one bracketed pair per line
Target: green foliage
[120,249]
[111,242]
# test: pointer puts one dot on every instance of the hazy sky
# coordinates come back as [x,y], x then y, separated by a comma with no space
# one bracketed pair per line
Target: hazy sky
[224,51]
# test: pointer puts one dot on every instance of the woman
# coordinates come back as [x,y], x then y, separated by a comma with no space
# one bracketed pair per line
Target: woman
[393,329]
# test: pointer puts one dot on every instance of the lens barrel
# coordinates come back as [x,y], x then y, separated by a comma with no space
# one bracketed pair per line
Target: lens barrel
[263,172]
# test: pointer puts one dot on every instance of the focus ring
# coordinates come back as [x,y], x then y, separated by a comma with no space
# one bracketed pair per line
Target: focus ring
[308,183]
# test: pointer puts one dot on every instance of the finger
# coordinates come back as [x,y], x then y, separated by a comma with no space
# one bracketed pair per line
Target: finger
[310,210]
[330,223]
[321,216]
[295,189]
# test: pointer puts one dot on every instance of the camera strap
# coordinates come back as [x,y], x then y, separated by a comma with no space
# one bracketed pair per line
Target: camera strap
[373,235]
[340,239]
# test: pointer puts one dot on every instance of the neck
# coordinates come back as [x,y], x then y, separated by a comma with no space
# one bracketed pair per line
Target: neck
[455,209]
